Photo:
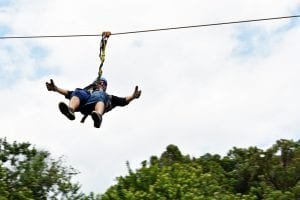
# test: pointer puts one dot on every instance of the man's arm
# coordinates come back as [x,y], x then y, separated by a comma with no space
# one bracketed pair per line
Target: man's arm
[123,101]
[52,87]
[135,95]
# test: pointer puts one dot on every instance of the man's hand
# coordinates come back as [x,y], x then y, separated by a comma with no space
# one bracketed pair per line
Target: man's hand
[137,93]
[51,86]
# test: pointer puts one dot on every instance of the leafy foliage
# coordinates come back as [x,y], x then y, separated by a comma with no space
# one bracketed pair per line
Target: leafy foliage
[30,174]
[244,174]
[27,173]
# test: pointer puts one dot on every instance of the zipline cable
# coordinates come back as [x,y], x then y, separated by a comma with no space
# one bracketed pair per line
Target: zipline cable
[152,30]
[204,25]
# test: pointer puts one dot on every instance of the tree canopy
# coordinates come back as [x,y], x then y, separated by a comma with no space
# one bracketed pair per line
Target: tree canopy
[244,174]
[27,173]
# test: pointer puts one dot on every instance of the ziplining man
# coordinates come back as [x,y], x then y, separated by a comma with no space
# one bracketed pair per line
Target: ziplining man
[93,99]
[95,102]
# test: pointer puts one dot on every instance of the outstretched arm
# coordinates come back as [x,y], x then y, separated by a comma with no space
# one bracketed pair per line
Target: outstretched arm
[135,95]
[52,87]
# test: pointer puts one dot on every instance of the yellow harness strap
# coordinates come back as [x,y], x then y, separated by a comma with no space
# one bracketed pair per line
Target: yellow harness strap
[105,36]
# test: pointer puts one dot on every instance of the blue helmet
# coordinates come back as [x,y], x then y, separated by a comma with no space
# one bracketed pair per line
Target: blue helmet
[98,80]
[104,80]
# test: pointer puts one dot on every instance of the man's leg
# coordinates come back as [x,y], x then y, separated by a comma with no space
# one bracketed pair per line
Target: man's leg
[68,111]
[97,114]
[74,103]
[77,97]
[99,107]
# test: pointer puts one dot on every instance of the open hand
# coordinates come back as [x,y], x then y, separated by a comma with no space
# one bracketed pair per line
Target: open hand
[51,86]
[137,93]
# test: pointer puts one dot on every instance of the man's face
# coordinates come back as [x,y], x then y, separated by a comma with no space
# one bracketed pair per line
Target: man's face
[102,85]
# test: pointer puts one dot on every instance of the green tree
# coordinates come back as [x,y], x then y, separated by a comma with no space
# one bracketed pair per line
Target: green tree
[30,174]
[173,176]
[244,174]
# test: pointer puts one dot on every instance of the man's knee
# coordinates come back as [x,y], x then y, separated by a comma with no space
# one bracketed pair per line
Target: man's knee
[81,94]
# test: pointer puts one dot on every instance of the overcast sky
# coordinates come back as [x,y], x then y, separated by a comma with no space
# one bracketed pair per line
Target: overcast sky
[204,89]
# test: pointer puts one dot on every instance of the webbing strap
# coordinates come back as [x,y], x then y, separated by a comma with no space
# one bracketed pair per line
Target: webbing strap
[105,36]
[103,42]
[83,118]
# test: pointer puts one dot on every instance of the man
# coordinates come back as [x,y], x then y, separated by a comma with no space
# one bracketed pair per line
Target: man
[95,102]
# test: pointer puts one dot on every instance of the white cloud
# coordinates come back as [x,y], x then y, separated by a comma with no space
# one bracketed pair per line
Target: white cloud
[196,93]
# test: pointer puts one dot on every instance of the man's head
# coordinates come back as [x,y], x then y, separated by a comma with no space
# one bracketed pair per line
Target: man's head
[102,83]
